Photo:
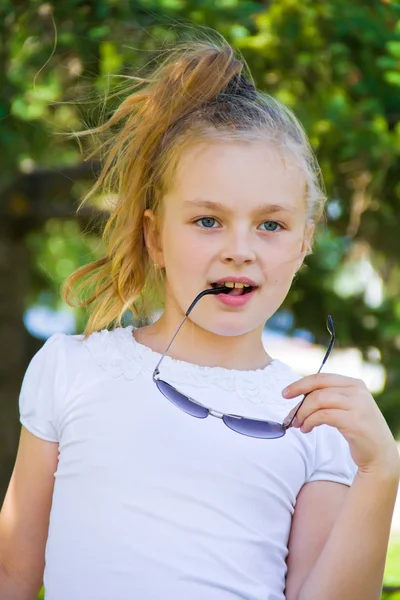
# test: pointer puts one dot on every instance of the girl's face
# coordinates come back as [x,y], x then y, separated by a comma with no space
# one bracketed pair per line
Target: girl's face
[234,210]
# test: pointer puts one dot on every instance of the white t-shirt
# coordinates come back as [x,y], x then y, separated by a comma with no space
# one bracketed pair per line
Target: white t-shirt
[152,503]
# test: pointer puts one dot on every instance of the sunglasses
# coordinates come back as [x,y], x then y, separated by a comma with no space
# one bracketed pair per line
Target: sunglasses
[256,428]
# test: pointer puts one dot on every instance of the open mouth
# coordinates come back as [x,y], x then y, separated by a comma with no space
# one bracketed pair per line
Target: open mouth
[234,290]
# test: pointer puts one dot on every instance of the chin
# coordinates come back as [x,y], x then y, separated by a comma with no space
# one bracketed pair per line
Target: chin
[229,327]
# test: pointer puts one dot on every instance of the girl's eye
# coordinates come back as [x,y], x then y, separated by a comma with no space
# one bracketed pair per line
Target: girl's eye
[271,226]
[207,222]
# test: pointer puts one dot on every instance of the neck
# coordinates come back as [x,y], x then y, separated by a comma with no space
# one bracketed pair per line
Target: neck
[198,346]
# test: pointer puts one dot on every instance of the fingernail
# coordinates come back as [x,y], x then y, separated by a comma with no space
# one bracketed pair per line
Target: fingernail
[285,392]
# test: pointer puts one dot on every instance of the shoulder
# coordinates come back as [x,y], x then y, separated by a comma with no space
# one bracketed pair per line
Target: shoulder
[50,355]
[112,351]
[333,460]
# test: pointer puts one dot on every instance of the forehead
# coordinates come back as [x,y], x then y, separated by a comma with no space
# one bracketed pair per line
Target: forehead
[238,173]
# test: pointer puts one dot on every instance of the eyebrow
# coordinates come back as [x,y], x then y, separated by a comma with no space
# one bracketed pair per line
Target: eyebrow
[217,206]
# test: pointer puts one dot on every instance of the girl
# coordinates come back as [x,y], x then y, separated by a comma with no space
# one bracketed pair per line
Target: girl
[122,488]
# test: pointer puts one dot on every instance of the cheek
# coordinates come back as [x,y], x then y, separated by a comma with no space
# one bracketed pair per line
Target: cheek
[278,263]
[186,254]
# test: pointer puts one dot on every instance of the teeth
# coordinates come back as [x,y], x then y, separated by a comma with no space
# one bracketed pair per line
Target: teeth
[237,284]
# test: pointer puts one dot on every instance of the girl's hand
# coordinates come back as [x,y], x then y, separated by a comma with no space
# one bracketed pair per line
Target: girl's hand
[346,403]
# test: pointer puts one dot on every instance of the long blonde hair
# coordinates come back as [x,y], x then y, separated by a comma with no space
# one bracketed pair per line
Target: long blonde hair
[188,97]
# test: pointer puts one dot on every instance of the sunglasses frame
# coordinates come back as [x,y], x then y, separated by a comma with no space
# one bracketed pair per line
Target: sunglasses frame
[211,411]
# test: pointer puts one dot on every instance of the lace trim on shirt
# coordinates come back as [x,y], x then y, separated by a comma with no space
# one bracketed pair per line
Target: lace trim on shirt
[118,353]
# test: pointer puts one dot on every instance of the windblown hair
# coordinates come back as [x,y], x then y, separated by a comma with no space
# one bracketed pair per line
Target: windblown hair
[198,92]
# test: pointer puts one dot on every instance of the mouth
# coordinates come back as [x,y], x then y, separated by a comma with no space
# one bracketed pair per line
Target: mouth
[234,288]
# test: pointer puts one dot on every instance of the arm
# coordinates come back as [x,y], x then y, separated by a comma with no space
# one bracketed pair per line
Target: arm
[24,518]
[352,561]
[9,588]
[317,507]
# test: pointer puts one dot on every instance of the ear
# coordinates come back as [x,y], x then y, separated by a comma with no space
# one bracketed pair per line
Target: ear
[152,237]
[307,242]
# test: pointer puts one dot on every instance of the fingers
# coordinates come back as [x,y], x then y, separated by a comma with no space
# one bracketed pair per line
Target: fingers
[320,400]
[319,381]
[329,416]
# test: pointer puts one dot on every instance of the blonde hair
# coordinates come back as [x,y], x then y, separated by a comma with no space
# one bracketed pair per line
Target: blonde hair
[198,92]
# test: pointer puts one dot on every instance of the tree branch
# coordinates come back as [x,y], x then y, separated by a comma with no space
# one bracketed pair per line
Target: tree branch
[36,197]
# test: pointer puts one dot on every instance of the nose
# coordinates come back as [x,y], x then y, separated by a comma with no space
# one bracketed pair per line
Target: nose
[238,248]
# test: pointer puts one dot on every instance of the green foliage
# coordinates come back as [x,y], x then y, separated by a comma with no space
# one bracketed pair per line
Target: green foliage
[335,63]
[392,567]
[59,248]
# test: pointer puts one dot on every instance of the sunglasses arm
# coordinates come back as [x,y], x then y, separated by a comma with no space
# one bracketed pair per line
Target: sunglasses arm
[156,370]
[203,293]
[332,331]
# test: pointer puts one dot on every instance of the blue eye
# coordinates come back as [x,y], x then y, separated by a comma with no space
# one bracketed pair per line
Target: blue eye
[207,222]
[210,222]
[271,225]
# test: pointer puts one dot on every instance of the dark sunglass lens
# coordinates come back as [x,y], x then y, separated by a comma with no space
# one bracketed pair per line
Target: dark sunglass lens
[257,429]
[181,401]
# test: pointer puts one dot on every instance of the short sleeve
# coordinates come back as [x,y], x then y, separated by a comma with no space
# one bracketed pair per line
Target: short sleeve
[42,389]
[333,460]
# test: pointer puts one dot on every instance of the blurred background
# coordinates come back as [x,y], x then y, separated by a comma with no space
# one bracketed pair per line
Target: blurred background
[335,63]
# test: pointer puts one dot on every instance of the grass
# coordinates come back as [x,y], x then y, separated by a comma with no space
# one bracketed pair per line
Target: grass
[392,569]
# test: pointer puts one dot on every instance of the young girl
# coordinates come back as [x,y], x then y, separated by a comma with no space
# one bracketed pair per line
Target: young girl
[122,487]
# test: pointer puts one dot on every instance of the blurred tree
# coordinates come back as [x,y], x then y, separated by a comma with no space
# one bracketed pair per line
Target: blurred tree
[336,64]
